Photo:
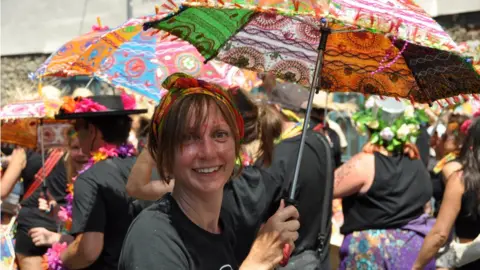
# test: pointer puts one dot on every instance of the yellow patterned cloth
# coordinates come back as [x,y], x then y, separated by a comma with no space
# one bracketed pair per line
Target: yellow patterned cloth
[446,159]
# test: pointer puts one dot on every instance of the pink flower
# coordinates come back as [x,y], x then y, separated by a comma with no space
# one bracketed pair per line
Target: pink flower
[63,214]
[476,114]
[466,126]
[53,256]
[129,102]
[88,105]
[109,150]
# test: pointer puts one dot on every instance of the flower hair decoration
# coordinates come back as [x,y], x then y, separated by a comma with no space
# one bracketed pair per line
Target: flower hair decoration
[85,104]
[394,134]
[468,123]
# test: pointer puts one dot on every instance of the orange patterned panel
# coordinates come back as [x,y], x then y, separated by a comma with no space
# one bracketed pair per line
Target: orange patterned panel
[20,132]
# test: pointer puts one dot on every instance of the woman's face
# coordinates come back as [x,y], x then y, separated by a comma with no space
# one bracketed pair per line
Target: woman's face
[206,159]
[76,152]
[446,145]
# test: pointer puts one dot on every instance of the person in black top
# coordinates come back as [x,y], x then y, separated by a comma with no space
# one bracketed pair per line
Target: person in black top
[25,164]
[460,209]
[195,139]
[384,189]
[102,210]
[318,123]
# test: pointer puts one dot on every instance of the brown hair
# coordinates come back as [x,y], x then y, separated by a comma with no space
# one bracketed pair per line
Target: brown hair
[455,121]
[270,121]
[176,126]
[409,149]
[70,170]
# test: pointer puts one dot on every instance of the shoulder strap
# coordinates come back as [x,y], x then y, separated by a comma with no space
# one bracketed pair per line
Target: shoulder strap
[325,220]
[50,163]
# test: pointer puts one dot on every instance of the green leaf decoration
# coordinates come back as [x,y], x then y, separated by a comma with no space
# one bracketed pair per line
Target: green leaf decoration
[390,148]
[375,138]
[396,142]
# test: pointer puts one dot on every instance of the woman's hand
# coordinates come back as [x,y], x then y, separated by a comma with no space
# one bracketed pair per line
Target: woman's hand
[280,229]
[49,206]
[43,237]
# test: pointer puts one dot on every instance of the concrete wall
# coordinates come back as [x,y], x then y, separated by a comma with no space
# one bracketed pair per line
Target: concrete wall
[42,26]
[447,7]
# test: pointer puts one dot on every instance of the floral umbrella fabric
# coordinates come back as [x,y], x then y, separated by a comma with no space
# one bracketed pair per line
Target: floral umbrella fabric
[83,55]
[400,51]
[142,63]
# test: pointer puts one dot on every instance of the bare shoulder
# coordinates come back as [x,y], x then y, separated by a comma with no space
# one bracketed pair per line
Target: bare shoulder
[451,168]
[356,163]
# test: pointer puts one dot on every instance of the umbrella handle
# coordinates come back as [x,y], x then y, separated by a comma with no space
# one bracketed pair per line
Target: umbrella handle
[44,191]
[286,255]
[287,249]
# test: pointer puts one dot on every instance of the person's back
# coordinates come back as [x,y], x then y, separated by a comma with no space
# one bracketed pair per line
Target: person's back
[104,193]
[310,188]
[400,189]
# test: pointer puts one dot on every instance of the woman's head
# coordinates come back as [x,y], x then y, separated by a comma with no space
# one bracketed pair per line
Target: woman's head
[470,158]
[195,134]
[452,139]
[74,148]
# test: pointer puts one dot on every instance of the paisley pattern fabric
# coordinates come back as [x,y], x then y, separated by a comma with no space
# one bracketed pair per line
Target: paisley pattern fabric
[403,18]
[381,250]
[367,62]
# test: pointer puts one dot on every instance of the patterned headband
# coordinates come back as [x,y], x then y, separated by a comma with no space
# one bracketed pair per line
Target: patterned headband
[180,85]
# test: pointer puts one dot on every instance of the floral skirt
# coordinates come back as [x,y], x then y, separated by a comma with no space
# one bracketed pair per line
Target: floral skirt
[381,249]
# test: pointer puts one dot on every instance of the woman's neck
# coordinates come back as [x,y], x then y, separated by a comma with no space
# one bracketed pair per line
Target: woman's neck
[286,125]
[204,211]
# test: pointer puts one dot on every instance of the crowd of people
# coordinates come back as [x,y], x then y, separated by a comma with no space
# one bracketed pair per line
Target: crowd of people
[203,183]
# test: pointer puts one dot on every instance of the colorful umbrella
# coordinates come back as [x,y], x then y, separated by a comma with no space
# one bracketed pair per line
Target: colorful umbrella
[378,47]
[83,55]
[20,124]
[375,47]
[142,63]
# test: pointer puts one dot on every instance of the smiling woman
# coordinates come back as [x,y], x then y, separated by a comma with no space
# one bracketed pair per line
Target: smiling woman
[195,139]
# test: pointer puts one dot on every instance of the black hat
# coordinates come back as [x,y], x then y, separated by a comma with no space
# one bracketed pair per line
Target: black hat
[288,95]
[111,105]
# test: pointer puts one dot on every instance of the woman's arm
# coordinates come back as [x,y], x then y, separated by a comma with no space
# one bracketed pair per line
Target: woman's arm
[13,172]
[355,176]
[139,183]
[451,204]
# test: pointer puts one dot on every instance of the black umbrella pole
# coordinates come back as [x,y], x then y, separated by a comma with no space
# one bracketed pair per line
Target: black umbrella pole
[314,88]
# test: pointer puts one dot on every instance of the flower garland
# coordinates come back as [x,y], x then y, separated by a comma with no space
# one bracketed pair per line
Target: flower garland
[65,213]
[392,136]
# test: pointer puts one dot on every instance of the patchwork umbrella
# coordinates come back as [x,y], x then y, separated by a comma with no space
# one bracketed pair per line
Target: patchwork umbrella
[382,47]
[30,124]
[387,48]
[83,55]
[143,62]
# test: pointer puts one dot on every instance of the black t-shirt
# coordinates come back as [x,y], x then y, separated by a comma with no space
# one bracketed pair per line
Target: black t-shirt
[249,198]
[335,139]
[310,186]
[101,204]
[162,237]
[56,182]
[34,163]
[423,144]
[398,194]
